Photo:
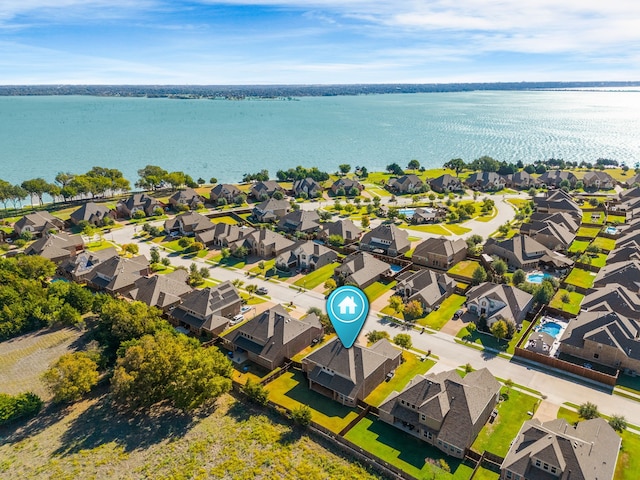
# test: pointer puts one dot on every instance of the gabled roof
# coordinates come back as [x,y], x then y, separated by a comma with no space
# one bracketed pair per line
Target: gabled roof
[268,238]
[225,189]
[85,261]
[629,182]
[306,184]
[426,286]
[300,220]
[559,218]
[397,238]
[559,200]
[613,298]
[555,177]
[484,179]
[90,212]
[268,187]
[446,180]
[361,267]
[161,290]
[190,221]
[440,246]
[521,178]
[589,450]
[595,175]
[139,200]
[118,272]
[55,246]
[624,253]
[523,247]
[186,196]
[517,301]
[312,250]
[351,366]
[271,205]
[626,274]
[38,220]
[341,227]
[202,309]
[346,183]
[404,181]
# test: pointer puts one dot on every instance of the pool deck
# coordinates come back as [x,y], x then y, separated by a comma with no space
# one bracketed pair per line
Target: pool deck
[547,349]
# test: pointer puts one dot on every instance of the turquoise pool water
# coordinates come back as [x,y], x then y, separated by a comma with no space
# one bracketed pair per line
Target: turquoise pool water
[407,211]
[551,328]
[611,230]
[395,268]
[537,277]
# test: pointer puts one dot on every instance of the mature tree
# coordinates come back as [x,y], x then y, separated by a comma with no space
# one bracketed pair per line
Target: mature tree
[479,275]
[485,164]
[396,303]
[518,277]
[23,405]
[344,168]
[251,289]
[395,169]
[499,329]
[499,266]
[413,164]
[301,415]
[456,164]
[256,392]
[618,423]
[172,368]
[155,255]
[365,221]
[73,375]
[403,340]
[35,267]
[336,240]
[544,293]
[63,178]
[330,284]
[151,177]
[588,410]
[131,248]
[374,335]
[413,309]
[176,179]
[474,240]
[36,187]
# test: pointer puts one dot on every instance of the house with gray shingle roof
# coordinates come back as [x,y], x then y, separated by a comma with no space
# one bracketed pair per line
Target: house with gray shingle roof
[189,223]
[553,178]
[271,210]
[304,221]
[556,231]
[632,181]
[261,190]
[117,275]
[612,298]
[347,375]
[79,268]
[38,223]
[522,251]
[187,197]
[598,180]
[440,253]
[626,273]
[222,235]
[307,186]
[138,201]
[346,184]
[306,256]
[92,213]
[485,181]
[162,291]
[264,243]
[386,238]
[224,190]
[555,449]
[428,287]
[344,228]
[624,253]
[406,184]
[361,269]
[520,179]
[557,201]
[57,247]
[274,336]
[444,409]
[446,183]
[607,338]
[499,302]
[207,310]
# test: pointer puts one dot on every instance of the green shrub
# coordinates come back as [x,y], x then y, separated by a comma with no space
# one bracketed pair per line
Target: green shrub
[23,405]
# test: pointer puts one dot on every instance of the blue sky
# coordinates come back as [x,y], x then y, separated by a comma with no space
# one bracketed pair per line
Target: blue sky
[316,41]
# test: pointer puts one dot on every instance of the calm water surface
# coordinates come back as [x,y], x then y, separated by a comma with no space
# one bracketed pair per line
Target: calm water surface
[41,136]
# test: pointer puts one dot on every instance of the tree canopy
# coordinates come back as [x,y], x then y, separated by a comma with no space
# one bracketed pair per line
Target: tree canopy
[73,375]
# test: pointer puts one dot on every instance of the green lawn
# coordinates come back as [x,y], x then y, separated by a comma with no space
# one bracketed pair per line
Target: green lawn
[484,474]
[598,260]
[581,278]
[291,390]
[496,437]
[518,202]
[616,219]
[376,289]
[588,232]
[490,216]
[229,220]
[607,244]
[593,217]
[268,265]
[404,451]
[486,340]
[411,367]
[173,245]
[578,246]
[376,190]
[317,277]
[435,229]
[574,303]
[311,348]
[457,229]
[464,268]
[230,261]
[438,318]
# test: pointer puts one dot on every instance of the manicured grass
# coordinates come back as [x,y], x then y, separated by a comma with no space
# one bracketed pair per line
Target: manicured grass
[496,437]
[268,265]
[291,390]
[435,229]
[588,232]
[616,219]
[578,246]
[581,278]
[438,318]
[607,244]
[404,451]
[299,356]
[486,340]
[457,229]
[376,289]
[413,239]
[593,217]
[99,245]
[173,245]
[484,474]
[409,254]
[464,268]
[574,303]
[317,277]
[518,202]
[599,260]
[376,190]
[230,261]
[226,219]
[486,218]
[411,367]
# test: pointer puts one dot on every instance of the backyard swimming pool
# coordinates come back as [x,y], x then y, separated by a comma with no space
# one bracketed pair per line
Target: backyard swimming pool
[537,277]
[611,230]
[395,268]
[407,211]
[551,328]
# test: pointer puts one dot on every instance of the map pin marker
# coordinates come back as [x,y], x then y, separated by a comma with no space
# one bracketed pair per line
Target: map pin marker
[347,308]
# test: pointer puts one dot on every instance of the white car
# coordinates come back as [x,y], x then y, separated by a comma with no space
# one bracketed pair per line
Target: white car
[237,318]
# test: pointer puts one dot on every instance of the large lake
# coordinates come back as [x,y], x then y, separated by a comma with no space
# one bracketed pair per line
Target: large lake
[40,136]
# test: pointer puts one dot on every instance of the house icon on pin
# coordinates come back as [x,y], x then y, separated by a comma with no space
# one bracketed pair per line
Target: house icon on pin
[347,306]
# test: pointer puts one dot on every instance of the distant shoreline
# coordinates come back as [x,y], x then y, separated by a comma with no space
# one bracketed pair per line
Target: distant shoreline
[284,92]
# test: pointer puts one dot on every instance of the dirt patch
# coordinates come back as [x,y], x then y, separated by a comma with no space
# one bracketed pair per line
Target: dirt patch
[546,411]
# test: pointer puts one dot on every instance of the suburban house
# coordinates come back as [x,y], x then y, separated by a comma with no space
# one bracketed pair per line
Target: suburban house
[613,298]
[553,178]
[387,239]
[345,184]
[558,201]
[626,274]
[224,191]
[307,186]
[556,449]
[556,231]
[522,251]
[446,183]
[118,275]
[625,253]
[161,291]
[189,223]
[271,210]
[522,180]
[440,253]
[92,213]
[304,221]
[427,215]
[598,180]
[426,286]
[38,223]
[347,375]
[628,203]
[306,256]
[274,336]
[607,338]
[261,190]
[499,302]
[138,201]
[57,247]
[222,235]
[187,197]
[361,269]
[265,243]
[406,184]
[345,229]
[632,181]
[444,409]
[79,267]
[485,181]
[207,310]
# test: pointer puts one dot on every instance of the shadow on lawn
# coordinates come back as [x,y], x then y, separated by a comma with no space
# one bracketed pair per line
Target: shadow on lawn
[301,393]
